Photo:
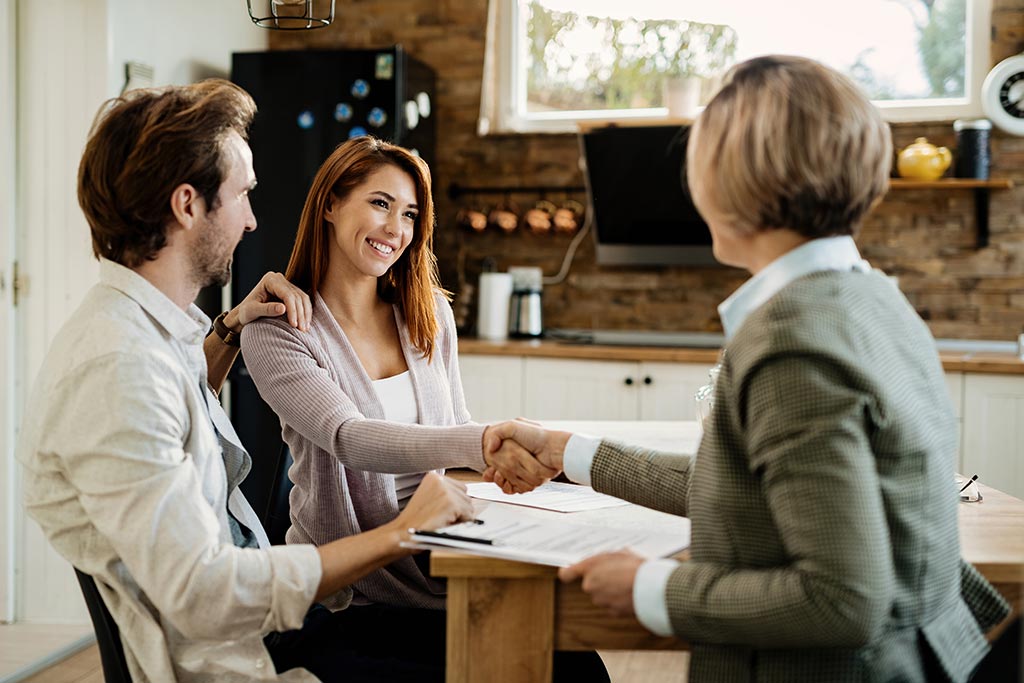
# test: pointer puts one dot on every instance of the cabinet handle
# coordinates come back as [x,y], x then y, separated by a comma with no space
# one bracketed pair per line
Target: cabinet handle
[629,381]
[648,380]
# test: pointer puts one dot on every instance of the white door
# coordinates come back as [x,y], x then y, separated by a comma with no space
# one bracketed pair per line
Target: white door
[667,390]
[993,423]
[62,77]
[556,389]
[8,494]
[493,386]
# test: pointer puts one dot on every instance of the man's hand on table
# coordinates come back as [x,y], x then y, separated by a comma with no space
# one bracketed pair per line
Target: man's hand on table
[521,455]
[607,578]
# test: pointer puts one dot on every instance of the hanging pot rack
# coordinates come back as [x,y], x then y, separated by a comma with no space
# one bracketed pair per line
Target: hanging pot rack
[456,190]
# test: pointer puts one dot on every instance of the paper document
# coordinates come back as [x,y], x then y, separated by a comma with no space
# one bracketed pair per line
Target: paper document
[553,495]
[509,534]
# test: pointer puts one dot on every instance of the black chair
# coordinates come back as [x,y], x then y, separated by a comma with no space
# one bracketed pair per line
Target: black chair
[277,520]
[108,637]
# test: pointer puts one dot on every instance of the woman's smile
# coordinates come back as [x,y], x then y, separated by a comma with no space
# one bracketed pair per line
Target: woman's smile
[382,248]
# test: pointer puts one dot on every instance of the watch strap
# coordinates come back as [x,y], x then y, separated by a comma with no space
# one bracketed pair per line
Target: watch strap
[226,334]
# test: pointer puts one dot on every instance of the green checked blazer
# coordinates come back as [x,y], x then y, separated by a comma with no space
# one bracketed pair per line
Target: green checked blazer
[825,542]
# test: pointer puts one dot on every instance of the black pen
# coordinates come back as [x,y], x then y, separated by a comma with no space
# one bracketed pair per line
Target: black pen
[451,537]
[969,482]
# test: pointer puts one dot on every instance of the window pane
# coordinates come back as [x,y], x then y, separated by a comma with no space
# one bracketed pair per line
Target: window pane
[611,55]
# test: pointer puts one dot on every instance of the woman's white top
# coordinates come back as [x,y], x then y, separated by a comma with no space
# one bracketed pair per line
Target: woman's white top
[399,402]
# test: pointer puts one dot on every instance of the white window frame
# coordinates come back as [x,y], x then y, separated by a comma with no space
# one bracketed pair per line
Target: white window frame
[510,87]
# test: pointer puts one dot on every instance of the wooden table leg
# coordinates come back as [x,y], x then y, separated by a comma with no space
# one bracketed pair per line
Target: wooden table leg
[1014,594]
[500,630]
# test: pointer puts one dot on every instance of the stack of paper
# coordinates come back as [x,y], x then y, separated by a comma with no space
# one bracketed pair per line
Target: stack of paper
[508,534]
[553,495]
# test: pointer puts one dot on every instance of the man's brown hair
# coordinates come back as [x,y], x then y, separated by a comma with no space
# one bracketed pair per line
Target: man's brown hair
[142,146]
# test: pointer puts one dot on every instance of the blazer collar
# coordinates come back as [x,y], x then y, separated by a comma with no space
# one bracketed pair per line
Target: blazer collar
[826,253]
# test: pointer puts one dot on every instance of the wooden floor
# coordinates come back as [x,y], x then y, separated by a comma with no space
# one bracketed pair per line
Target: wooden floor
[81,667]
[624,667]
[22,645]
[647,667]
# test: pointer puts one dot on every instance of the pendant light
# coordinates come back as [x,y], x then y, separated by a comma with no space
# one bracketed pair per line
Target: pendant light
[291,15]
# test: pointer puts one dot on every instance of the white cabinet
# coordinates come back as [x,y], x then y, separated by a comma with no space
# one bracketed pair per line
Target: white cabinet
[993,430]
[503,387]
[667,390]
[560,389]
[955,386]
[493,386]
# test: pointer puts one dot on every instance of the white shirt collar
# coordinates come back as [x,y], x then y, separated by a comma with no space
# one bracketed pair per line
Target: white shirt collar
[190,326]
[826,253]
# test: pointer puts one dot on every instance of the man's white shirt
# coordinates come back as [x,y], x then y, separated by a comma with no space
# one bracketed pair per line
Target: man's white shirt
[125,475]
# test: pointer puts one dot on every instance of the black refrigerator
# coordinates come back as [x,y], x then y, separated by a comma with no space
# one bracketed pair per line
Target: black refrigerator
[308,102]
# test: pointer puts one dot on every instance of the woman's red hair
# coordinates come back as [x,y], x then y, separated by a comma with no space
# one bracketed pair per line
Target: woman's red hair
[411,283]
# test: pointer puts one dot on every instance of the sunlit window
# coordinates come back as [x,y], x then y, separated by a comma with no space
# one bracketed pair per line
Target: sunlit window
[569,60]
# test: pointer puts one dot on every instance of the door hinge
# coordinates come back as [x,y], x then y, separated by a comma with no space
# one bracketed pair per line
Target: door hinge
[17,283]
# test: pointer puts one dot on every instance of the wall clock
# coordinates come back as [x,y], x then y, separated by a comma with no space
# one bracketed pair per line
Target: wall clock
[1002,94]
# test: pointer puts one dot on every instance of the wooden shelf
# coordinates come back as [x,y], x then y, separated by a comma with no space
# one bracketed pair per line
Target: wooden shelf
[981,190]
[950,184]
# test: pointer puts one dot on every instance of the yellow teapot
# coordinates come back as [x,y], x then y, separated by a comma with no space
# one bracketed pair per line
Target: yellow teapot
[923,160]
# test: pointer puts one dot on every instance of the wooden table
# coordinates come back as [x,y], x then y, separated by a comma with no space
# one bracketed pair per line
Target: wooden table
[506,618]
[992,539]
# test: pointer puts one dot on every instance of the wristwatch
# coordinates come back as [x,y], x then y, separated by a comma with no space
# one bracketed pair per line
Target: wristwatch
[226,334]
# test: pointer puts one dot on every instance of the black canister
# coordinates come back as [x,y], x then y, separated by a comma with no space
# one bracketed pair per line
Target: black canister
[972,147]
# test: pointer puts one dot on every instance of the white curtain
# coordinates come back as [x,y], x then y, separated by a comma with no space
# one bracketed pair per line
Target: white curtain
[494,114]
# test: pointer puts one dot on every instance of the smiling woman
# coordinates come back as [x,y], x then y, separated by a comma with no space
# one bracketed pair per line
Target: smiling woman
[412,283]
[371,398]
[376,220]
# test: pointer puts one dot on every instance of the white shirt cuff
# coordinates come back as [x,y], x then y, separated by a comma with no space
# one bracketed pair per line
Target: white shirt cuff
[579,456]
[649,601]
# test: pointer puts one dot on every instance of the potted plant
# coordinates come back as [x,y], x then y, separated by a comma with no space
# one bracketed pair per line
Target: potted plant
[692,57]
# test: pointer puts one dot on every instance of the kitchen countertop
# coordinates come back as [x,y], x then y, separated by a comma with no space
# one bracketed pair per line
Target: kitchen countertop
[990,362]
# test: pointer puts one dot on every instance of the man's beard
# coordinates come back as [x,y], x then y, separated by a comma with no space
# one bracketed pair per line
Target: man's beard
[221,278]
[209,267]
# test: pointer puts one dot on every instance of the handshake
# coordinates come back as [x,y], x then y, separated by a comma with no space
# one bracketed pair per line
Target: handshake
[521,455]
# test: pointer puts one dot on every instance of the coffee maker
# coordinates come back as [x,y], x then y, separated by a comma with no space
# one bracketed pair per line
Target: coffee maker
[525,317]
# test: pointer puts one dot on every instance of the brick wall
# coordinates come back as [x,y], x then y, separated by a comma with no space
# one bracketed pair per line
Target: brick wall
[927,238]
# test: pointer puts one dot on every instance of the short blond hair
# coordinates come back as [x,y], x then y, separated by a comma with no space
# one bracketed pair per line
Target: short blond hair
[790,143]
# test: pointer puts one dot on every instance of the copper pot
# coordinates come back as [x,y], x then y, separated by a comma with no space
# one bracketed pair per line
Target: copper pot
[504,217]
[539,218]
[569,217]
